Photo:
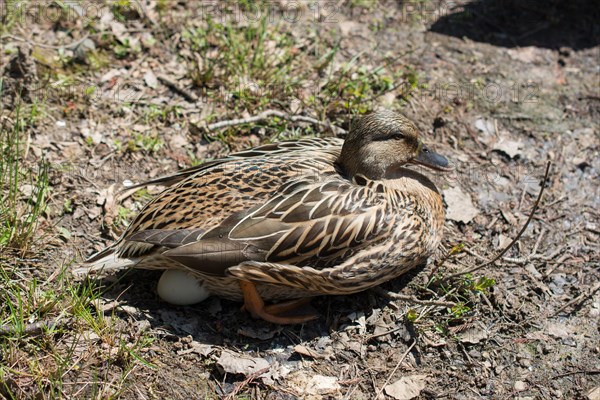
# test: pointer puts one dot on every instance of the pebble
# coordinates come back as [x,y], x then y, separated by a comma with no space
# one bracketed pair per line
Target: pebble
[520,386]
[525,362]
[475,354]
[569,342]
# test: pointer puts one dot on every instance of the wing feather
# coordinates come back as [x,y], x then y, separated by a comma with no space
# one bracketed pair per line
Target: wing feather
[321,220]
[267,150]
[313,218]
[167,238]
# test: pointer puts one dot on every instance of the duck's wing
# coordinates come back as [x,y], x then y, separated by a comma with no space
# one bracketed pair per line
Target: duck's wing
[312,221]
[267,150]
[204,200]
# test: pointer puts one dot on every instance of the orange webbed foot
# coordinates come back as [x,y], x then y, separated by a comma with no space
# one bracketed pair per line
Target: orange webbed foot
[274,313]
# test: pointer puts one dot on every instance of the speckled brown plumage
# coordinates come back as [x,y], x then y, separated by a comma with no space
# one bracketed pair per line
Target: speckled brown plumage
[296,219]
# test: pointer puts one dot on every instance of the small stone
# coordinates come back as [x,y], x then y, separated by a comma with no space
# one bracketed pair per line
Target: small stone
[83,49]
[475,354]
[525,362]
[569,342]
[520,386]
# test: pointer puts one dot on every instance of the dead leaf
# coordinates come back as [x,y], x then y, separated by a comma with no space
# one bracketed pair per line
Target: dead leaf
[322,385]
[360,320]
[26,190]
[347,27]
[275,373]
[486,126]
[106,199]
[113,73]
[141,128]
[407,387]
[380,332]
[92,213]
[460,205]
[594,394]
[433,340]
[151,79]
[528,54]
[472,335]
[508,216]
[94,135]
[509,147]
[305,351]
[177,141]
[118,29]
[503,241]
[558,330]
[64,233]
[233,363]
[198,348]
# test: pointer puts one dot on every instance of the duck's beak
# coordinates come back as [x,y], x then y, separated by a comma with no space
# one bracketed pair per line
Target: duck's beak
[431,159]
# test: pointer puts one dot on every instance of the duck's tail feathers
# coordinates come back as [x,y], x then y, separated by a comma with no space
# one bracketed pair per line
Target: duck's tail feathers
[104,262]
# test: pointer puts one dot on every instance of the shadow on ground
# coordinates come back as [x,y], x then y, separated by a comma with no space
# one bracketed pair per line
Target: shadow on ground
[514,23]
[217,322]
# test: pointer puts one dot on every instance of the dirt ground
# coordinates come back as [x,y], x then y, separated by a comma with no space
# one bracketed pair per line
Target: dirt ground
[498,87]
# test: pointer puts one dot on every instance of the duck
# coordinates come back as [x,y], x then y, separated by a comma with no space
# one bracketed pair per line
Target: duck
[274,226]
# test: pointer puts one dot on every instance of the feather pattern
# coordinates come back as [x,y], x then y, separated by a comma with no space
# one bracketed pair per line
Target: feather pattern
[267,150]
[303,218]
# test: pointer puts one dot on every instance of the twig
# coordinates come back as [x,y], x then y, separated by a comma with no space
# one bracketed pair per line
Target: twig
[512,243]
[188,95]
[579,299]
[274,113]
[373,336]
[530,256]
[411,299]
[34,328]
[587,372]
[395,369]
[473,135]
[557,263]
[240,386]
[474,254]
[561,198]
[47,46]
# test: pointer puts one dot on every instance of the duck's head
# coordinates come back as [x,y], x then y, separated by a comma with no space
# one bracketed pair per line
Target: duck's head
[380,143]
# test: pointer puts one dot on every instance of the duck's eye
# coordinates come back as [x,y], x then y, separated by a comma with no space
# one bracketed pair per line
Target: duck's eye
[397,136]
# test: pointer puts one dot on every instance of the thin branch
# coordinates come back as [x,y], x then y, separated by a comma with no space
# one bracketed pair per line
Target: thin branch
[530,256]
[587,372]
[577,300]
[512,243]
[373,336]
[232,395]
[71,45]
[411,299]
[395,369]
[187,94]
[34,328]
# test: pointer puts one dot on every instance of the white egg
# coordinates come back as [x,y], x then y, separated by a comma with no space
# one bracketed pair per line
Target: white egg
[181,288]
